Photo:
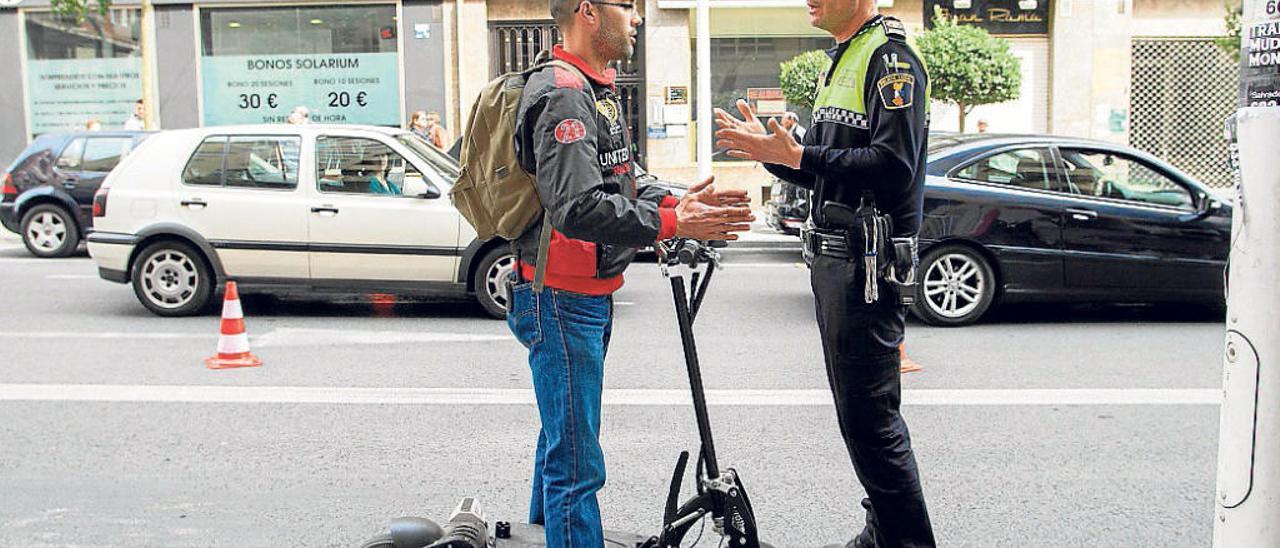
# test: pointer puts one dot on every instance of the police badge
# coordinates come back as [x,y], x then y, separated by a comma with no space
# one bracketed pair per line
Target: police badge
[897,90]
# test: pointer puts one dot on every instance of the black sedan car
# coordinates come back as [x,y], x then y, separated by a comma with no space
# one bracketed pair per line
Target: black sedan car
[1040,218]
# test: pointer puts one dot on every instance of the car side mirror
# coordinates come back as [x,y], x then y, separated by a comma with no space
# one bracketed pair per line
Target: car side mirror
[416,186]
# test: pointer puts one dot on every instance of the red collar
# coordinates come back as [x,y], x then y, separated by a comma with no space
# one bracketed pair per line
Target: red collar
[605,79]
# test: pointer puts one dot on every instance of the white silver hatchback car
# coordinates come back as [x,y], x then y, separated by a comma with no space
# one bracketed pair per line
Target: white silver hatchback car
[313,208]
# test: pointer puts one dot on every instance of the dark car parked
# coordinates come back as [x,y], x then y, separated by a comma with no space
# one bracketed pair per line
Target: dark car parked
[1017,218]
[48,190]
[787,208]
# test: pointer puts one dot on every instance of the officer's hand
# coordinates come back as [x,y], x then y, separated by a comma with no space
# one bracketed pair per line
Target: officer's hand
[775,147]
[700,221]
[707,193]
[748,123]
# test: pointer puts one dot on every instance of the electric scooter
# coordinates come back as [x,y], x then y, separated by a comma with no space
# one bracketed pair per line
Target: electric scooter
[720,495]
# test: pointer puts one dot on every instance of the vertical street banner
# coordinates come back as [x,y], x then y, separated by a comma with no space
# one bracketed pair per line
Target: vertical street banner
[1260,55]
[67,93]
[350,88]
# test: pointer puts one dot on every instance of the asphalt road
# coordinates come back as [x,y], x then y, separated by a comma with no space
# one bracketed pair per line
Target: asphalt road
[1043,426]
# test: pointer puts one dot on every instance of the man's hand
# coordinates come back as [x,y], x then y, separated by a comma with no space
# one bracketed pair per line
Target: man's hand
[697,220]
[749,140]
[707,193]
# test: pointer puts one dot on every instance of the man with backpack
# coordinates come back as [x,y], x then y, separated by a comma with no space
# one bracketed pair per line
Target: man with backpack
[567,199]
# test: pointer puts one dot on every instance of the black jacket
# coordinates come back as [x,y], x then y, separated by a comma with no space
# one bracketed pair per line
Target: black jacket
[881,150]
[580,153]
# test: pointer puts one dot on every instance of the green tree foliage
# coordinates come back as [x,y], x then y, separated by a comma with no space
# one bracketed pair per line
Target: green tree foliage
[799,78]
[80,9]
[1230,42]
[967,66]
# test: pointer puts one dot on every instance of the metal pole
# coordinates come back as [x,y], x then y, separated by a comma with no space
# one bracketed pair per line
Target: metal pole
[1248,498]
[705,123]
[1248,512]
[147,43]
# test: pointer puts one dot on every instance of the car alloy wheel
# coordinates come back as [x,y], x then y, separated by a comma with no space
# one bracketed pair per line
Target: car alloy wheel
[170,279]
[495,279]
[47,231]
[954,286]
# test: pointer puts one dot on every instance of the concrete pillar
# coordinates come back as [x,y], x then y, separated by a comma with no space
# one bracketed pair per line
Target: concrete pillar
[1091,60]
[670,63]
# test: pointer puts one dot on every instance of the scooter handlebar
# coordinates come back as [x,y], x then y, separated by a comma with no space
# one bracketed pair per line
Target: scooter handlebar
[683,251]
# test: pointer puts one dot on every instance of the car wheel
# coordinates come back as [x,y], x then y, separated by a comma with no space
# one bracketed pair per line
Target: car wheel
[491,281]
[171,278]
[49,231]
[957,286]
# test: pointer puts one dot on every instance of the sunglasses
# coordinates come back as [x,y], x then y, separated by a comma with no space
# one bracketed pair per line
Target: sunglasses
[629,6]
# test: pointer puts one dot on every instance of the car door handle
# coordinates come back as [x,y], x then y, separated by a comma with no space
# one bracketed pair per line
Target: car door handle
[322,210]
[70,182]
[194,203]
[1082,214]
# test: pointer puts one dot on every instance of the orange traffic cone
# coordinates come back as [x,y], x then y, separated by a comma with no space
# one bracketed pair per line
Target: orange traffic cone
[233,343]
[907,365]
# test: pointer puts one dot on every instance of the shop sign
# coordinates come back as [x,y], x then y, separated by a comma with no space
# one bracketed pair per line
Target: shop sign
[1260,56]
[767,101]
[64,94]
[354,88]
[677,95]
[996,16]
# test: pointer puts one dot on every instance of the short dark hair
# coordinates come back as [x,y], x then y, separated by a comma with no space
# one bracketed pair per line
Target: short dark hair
[562,10]
[138,102]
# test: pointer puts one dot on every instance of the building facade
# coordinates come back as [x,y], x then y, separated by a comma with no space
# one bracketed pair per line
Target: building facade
[1143,72]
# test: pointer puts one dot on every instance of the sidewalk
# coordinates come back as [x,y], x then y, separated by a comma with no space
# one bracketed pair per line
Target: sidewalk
[762,236]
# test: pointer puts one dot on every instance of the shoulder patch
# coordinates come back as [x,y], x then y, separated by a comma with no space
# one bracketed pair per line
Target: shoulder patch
[894,27]
[897,90]
[570,131]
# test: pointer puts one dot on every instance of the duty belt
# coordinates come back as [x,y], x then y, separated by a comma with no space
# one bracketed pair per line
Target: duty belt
[832,243]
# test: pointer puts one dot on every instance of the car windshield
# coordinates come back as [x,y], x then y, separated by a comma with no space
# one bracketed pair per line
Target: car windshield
[438,160]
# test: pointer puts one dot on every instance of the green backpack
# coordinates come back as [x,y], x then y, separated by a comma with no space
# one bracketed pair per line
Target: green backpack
[494,193]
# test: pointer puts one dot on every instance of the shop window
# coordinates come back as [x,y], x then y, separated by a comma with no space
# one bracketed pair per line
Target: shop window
[82,71]
[740,65]
[339,62]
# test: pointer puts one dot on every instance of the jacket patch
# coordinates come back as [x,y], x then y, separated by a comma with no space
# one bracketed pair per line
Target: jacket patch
[897,90]
[570,131]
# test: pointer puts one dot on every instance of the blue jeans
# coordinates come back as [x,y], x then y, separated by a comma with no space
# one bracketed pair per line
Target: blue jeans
[567,335]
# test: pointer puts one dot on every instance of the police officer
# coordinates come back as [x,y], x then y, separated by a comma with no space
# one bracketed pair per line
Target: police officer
[866,147]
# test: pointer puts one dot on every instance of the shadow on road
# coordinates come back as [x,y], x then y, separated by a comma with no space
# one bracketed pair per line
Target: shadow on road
[357,306]
[1040,313]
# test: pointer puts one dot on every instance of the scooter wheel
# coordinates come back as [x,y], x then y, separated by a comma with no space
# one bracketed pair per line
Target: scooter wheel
[380,541]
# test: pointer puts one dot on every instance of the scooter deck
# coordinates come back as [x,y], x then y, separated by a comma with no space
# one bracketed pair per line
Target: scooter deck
[524,535]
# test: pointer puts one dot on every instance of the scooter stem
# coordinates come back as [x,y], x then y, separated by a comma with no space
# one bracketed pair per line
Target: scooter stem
[685,318]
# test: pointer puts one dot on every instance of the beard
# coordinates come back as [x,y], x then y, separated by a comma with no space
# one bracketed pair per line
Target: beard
[614,43]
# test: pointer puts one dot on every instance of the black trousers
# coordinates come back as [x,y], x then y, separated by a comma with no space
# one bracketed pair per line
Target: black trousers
[860,342]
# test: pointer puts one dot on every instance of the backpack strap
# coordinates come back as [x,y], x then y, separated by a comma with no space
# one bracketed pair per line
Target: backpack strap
[544,241]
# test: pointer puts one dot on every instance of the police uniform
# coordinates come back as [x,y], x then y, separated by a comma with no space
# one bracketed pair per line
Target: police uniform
[868,142]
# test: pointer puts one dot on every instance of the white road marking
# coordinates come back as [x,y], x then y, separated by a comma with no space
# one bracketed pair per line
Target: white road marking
[276,338]
[763,265]
[342,337]
[615,397]
[52,262]
[102,335]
